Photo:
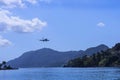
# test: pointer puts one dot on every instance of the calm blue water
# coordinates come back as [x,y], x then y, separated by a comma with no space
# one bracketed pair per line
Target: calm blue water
[61,74]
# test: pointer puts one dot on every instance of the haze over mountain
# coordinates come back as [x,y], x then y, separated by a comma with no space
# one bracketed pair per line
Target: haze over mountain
[51,58]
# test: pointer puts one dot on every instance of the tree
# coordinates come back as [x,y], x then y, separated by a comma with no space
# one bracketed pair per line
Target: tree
[117,47]
[4,63]
[0,65]
[108,58]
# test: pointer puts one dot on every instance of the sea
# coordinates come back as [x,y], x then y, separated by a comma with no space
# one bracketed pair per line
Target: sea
[61,74]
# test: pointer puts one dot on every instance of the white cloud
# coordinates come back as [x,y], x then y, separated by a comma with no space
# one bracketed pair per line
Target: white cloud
[12,3]
[19,3]
[15,23]
[101,24]
[9,22]
[4,42]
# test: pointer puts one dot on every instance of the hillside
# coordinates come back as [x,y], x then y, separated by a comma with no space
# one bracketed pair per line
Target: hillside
[108,58]
[50,58]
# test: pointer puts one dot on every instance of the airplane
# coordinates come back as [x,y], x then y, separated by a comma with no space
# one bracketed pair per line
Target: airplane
[44,40]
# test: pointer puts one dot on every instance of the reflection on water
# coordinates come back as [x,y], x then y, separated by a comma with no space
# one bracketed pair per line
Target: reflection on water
[61,74]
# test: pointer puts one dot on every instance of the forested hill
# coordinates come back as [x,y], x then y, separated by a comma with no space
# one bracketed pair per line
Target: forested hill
[108,58]
[51,58]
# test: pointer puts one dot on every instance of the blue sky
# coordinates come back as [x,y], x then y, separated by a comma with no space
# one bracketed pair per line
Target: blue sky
[69,24]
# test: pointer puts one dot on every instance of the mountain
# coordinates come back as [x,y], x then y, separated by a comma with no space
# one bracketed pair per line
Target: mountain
[93,50]
[107,58]
[43,58]
[50,58]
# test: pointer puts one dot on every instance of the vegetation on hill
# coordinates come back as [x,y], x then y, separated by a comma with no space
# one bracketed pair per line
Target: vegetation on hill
[108,58]
[51,58]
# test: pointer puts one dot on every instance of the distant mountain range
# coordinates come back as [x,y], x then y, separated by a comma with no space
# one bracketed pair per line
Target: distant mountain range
[108,58]
[51,58]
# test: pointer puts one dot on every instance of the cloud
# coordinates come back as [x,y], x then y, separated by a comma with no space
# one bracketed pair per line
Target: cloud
[12,3]
[8,22]
[19,3]
[101,24]
[4,42]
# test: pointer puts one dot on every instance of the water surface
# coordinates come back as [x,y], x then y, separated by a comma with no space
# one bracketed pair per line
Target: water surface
[61,74]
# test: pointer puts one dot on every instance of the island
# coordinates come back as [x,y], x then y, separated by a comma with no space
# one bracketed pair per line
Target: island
[4,66]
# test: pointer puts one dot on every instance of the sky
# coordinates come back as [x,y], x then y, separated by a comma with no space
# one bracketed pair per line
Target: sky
[68,24]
